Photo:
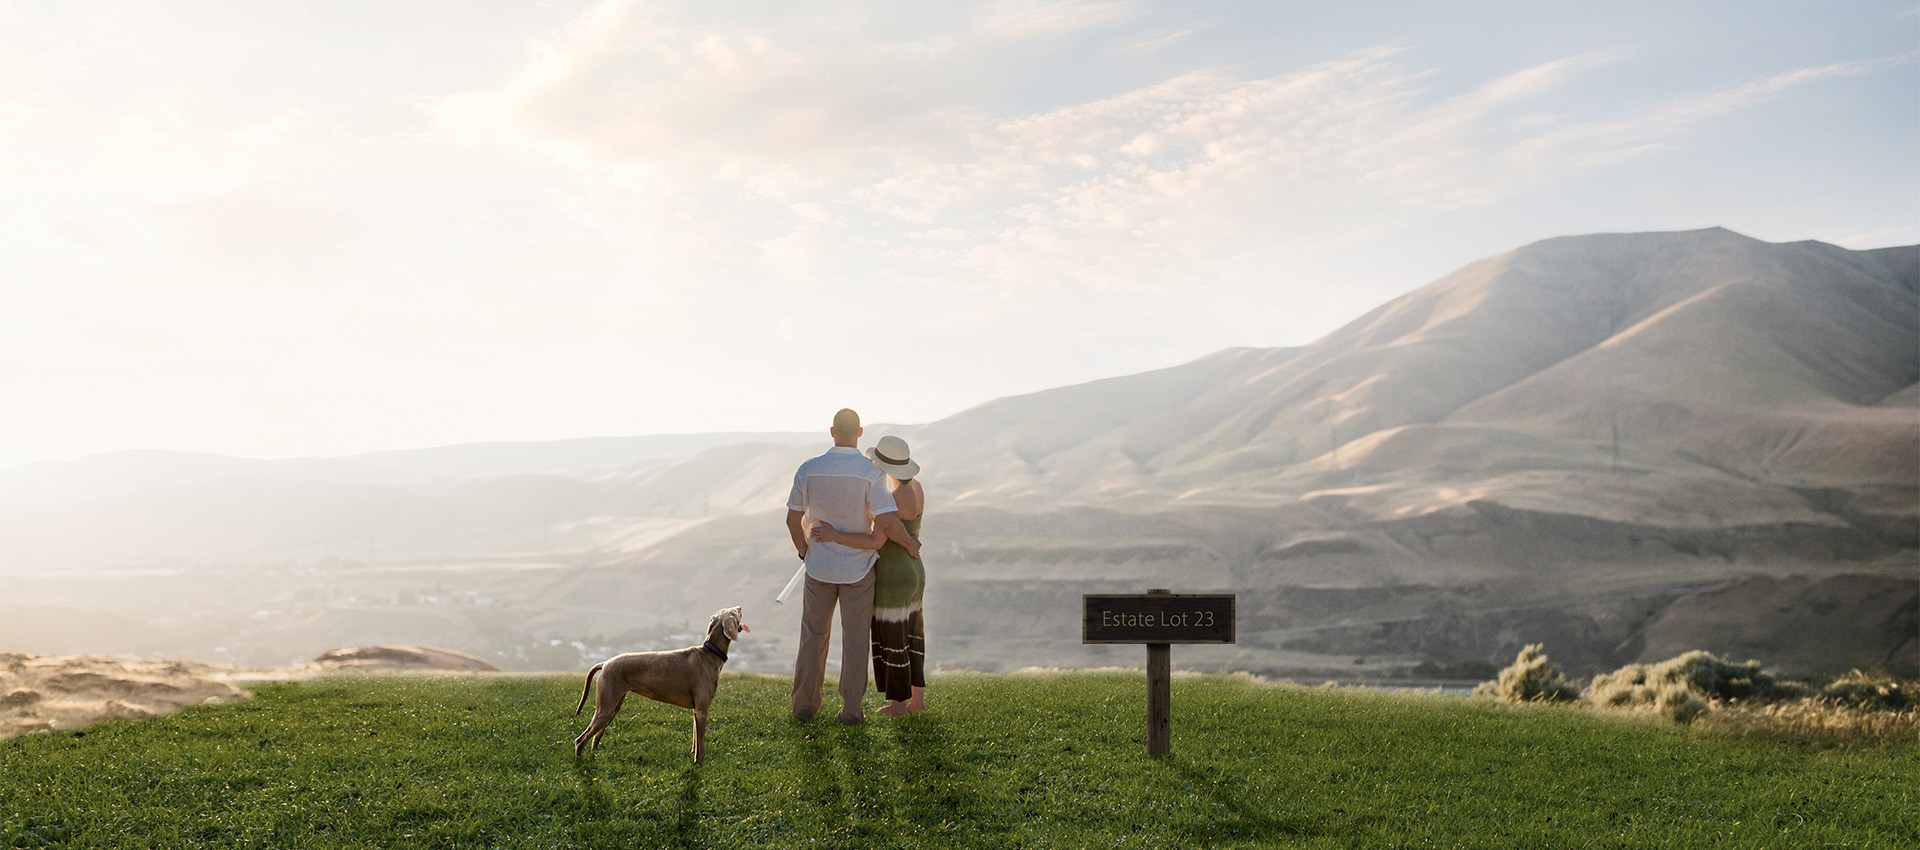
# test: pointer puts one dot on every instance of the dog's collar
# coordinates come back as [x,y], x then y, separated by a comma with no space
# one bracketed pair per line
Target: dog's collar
[708,646]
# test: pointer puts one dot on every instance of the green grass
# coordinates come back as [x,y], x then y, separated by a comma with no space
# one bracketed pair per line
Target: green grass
[1053,760]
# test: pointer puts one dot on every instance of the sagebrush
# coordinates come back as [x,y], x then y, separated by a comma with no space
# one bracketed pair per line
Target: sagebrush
[1531,678]
[1741,698]
[1687,686]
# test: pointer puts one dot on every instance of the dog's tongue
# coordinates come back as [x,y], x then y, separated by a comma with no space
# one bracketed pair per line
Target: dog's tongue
[743,627]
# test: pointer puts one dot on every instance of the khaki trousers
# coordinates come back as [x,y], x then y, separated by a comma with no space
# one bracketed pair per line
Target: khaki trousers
[816,631]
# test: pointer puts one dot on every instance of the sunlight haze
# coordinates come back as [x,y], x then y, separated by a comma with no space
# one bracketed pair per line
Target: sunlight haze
[291,229]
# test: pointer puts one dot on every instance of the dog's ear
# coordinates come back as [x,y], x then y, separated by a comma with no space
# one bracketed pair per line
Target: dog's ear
[719,621]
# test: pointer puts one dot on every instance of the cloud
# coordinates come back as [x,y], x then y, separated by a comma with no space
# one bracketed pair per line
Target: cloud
[1150,43]
[1593,143]
[809,153]
[1022,19]
[1534,81]
[626,83]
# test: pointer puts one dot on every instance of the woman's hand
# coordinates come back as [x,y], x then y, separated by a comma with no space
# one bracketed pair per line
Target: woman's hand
[824,532]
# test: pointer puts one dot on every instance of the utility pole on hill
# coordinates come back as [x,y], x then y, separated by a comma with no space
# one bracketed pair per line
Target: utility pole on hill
[1616,444]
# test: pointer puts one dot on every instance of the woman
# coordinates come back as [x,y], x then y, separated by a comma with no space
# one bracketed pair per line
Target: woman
[899,633]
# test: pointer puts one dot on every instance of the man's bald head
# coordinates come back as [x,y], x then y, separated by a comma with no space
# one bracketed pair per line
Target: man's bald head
[846,427]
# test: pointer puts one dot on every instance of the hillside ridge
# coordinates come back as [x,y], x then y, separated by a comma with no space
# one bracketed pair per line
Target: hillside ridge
[1584,440]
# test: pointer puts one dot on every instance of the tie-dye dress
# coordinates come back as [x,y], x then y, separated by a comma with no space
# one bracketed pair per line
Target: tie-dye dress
[899,633]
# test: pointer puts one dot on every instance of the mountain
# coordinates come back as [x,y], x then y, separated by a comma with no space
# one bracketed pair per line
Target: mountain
[1618,444]
[1703,351]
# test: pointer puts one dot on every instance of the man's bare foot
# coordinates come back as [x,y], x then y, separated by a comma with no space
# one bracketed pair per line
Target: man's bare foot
[919,701]
[893,709]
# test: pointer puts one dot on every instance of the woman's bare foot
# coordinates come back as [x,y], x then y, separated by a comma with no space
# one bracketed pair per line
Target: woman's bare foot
[893,709]
[919,702]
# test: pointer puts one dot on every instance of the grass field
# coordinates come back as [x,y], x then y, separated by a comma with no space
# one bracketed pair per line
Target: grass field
[1052,760]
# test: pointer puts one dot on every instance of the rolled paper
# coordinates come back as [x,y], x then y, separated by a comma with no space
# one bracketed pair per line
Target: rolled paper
[791,584]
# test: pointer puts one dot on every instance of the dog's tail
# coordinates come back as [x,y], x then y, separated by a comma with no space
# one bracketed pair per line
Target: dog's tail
[588,688]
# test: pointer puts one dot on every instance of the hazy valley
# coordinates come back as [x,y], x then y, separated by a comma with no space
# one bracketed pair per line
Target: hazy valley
[1624,446]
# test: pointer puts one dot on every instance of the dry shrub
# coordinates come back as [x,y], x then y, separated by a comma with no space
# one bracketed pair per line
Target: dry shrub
[1531,678]
[1816,720]
[1874,689]
[1679,703]
[1684,687]
[1744,700]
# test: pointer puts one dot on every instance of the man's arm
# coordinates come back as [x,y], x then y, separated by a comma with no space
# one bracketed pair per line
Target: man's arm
[798,533]
[890,523]
[824,530]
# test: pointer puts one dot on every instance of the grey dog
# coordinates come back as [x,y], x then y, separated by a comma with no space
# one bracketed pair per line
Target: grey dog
[683,677]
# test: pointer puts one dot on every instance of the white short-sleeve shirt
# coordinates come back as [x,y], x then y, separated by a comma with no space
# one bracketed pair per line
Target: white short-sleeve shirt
[845,489]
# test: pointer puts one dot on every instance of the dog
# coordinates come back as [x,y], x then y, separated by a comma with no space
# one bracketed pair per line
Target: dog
[683,677]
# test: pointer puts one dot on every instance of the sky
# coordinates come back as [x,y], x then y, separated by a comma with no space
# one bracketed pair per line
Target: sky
[282,229]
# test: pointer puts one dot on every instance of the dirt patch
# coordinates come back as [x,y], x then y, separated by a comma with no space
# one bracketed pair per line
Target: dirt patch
[48,693]
[380,659]
[66,692]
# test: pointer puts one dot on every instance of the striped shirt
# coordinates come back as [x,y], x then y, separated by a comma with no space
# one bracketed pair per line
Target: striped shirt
[844,488]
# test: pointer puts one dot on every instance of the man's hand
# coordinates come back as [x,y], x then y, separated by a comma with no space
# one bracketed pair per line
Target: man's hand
[897,532]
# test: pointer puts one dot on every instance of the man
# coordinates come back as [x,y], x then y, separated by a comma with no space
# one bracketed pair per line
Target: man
[843,488]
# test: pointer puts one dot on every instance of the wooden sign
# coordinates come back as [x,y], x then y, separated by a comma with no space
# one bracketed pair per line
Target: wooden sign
[1157,618]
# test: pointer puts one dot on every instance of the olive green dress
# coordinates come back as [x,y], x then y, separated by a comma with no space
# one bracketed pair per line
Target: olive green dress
[899,633]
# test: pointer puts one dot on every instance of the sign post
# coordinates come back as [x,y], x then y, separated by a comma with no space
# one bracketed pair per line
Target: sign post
[1159,695]
[1158,618]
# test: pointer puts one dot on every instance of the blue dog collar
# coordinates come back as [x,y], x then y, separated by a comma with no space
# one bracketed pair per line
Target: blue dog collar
[708,646]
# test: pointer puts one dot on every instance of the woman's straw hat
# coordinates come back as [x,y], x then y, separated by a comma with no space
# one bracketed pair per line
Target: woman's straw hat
[894,458]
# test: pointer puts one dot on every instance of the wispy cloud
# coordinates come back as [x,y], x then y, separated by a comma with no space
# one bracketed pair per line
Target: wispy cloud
[1019,19]
[1591,143]
[1178,183]
[1143,44]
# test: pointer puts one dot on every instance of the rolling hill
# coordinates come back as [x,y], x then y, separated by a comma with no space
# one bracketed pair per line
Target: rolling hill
[1618,444]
